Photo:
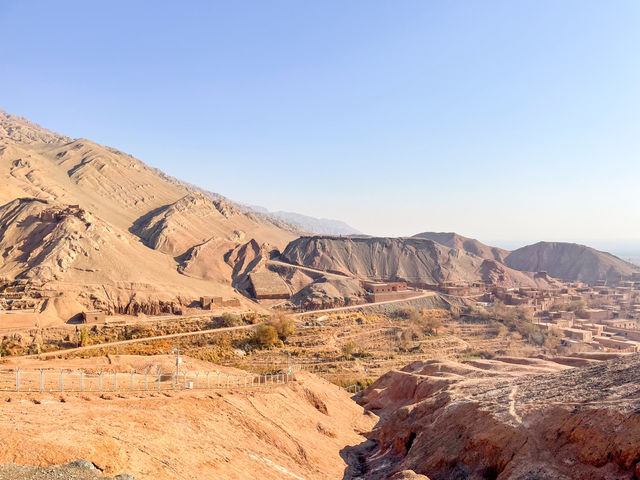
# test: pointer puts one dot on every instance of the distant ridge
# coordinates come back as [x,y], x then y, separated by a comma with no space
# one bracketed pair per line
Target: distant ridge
[570,262]
[469,245]
[321,226]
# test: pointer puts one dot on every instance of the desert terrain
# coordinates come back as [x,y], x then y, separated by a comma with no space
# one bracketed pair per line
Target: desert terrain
[154,329]
[509,418]
[276,431]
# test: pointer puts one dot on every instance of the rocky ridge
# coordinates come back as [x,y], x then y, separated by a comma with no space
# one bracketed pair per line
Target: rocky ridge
[506,419]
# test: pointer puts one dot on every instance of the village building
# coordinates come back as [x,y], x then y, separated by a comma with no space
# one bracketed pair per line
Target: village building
[624,323]
[597,314]
[210,302]
[617,344]
[381,291]
[93,317]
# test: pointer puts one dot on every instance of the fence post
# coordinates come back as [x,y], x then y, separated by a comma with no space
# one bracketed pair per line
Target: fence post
[41,380]
[81,381]
[132,381]
[115,381]
[17,379]
[100,381]
[159,378]
[61,380]
[197,384]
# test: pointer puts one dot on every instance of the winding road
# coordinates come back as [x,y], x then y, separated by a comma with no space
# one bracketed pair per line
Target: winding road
[139,340]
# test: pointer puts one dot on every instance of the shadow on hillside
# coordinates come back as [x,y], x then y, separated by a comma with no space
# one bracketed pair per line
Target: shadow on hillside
[354,457]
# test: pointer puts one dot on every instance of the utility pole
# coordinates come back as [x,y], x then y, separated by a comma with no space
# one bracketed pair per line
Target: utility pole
[178,360]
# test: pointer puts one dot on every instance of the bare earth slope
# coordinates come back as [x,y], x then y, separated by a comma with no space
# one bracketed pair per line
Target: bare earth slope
[571,262]
[470,245]
[512,419]
[293,431]
[417,260]
[96,265]
[195,219]
[99,200]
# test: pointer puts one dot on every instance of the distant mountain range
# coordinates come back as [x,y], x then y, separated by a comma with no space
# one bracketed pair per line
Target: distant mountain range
[320,226]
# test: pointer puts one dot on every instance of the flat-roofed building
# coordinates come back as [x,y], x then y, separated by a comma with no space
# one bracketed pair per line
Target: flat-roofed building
[93,317]
[625,323]
[597,314]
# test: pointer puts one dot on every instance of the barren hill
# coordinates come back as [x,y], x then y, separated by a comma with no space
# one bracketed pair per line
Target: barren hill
[417,260]
[505,419]
[95,265]
[74,212]
[273,432]
[571,262]
[470,245]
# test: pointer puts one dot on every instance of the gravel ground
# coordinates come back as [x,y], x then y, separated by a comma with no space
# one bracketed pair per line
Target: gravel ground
[78,470]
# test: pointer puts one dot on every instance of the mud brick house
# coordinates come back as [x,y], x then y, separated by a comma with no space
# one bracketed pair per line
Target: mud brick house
[209,302]
[597,315]
[381,291]
[93,317]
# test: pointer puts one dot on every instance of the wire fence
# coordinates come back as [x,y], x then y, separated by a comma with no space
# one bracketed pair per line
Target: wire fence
[78,381]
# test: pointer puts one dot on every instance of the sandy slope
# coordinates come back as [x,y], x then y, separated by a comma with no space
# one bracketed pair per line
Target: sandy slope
[83,204]
[418,260]
[569,261]
[290,431]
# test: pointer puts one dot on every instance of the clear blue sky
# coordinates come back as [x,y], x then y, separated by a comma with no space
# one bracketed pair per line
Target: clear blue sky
[498,119]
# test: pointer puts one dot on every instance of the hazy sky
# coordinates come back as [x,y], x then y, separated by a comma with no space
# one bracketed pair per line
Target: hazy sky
[496,119]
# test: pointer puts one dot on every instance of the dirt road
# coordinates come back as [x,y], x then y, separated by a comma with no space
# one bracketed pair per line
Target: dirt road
[373,304]
[307,269]
[140,340]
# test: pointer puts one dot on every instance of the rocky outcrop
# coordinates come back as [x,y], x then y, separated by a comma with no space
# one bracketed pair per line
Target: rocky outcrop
[330,292]
[570,262]
[506,419]
[76,470]
[85,263]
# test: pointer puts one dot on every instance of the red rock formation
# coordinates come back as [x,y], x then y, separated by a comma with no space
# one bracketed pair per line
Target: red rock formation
[507,421]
